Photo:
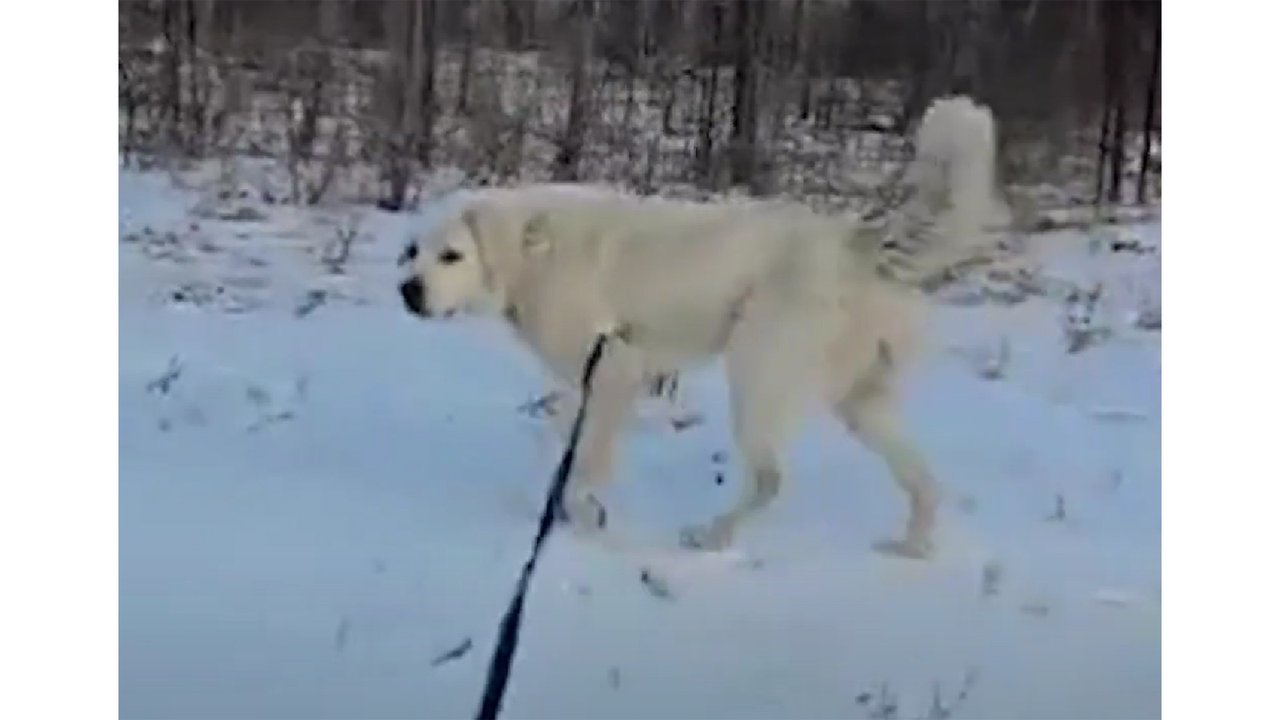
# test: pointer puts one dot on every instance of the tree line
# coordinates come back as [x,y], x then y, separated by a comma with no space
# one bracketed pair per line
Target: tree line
[736,76]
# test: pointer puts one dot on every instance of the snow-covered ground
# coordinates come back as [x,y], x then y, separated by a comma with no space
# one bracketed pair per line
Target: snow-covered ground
[324,504]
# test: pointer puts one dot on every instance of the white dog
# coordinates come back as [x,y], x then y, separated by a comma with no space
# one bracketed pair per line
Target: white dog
[802,306]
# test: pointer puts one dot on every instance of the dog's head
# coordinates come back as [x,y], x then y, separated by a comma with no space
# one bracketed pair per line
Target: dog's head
[467,264]
[446,270]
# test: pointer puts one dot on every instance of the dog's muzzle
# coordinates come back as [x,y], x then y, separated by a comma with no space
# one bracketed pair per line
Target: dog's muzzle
[411,292]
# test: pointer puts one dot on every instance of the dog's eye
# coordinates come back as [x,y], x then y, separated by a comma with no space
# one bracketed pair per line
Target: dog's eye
[449,256]
[409,254]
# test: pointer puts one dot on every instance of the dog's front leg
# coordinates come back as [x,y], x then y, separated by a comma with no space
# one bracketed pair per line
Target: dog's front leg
[614,389]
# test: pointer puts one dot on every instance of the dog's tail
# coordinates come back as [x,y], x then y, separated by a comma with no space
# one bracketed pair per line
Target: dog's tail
[952,185]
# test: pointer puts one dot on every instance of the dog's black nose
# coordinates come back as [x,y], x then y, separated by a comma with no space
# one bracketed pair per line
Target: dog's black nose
[411,291]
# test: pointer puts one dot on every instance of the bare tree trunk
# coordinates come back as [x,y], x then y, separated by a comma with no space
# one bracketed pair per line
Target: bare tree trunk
[514,24]
[706,139]
[412,57]
[129,103]
[1109,50]
[530,21]
[127,92]
[195,86]
[405,22]
[655,76]
[669,64]
[468,56]
[797,49]
[968,28]
[1104,138]
[1148,120]
[640,66]
[671,83]
[746,70]
[808,61]
[1121,87]
[227,125]
[333,21]
[427,40]
[1118,127]
[565,164]
[172,20]
[794,39]
[236,23]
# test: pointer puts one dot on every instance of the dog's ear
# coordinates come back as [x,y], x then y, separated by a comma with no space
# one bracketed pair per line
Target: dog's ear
[487,227]
[471,218]
[537,234]
[487,256]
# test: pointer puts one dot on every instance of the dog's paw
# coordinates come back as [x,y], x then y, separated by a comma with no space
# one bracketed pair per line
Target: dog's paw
[911,548]
[583,513]
[716,536]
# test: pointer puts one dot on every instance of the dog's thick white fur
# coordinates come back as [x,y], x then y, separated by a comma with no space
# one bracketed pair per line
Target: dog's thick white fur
[797,303]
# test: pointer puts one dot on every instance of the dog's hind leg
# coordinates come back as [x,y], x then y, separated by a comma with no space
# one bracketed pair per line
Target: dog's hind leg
[767,388]
[871,415]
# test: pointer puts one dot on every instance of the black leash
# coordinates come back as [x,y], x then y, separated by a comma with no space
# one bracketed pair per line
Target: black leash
[504,651]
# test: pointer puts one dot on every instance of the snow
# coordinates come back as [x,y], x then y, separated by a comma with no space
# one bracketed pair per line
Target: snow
[318,508]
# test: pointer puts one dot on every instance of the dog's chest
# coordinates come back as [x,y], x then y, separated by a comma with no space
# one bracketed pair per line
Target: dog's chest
[558,326]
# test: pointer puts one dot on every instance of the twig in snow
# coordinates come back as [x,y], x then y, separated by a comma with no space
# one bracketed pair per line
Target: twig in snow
[655,584]
[886,704]
[257,395]
[1117,414]
[338,252]
[1080,328]
[992,576]
[1115,480]
[163,383]
[271,419]
[1035,608]
[340,635]
[544,406]
[312,300]
[1059,509]
[453,654]
[1148,319]
[684,422]
[938,711]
